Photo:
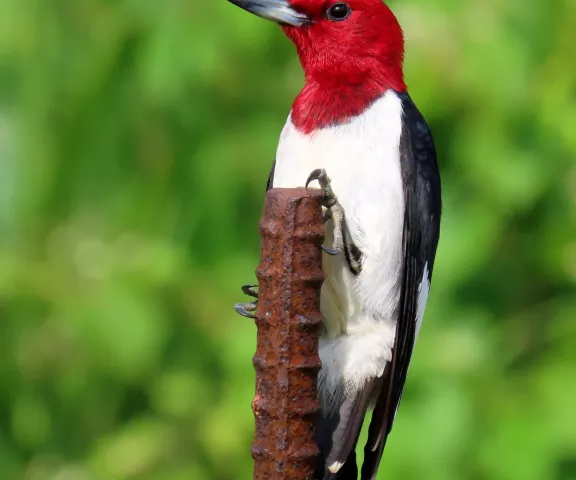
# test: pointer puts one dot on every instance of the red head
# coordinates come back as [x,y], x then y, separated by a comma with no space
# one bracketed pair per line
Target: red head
[352,52]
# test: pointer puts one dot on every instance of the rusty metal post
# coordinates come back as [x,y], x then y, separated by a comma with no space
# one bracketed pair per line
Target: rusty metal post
[288,318]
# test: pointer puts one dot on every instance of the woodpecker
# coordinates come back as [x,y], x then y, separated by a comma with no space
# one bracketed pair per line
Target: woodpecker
[355,132]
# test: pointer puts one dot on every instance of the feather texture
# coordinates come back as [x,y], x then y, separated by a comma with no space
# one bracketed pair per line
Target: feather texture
[383,171]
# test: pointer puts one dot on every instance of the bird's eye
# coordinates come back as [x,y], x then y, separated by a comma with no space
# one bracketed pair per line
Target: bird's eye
[338,12]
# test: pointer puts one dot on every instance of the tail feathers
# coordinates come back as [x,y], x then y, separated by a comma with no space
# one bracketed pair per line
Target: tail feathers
[348,471]
[372,457]
[338,434]
[379,428]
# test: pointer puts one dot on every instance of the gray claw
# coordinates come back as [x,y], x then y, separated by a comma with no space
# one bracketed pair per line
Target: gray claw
[245,309]
[331,251]
[250,290]
[315,175]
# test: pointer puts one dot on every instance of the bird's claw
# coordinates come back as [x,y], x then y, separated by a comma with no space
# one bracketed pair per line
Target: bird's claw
[322,177]
[246,309]
[315,175]
[330,251]
[250,290]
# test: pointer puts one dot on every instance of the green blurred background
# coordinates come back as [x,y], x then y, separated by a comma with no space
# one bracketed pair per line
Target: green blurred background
[136,138]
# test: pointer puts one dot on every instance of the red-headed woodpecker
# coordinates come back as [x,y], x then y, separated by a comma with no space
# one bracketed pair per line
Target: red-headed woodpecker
[354,130]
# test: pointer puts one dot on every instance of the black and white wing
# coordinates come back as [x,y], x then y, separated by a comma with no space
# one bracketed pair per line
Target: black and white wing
[271,176]
[423,202]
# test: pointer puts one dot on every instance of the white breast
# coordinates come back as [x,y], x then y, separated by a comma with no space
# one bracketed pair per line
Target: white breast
[362,159]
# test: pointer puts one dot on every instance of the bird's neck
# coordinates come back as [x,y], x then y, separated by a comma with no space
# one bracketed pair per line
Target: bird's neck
[327,101]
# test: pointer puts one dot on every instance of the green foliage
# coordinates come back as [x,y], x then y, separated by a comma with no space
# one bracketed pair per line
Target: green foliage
[135,141]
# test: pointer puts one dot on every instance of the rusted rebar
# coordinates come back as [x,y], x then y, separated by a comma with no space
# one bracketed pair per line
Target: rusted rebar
[286,361]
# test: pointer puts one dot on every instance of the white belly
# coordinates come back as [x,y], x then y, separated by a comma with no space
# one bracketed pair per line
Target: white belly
[362,160]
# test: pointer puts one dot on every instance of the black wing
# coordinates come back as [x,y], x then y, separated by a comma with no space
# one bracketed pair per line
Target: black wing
[422,193]
[271,176]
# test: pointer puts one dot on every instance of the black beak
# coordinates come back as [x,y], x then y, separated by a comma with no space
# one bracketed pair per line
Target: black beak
[276,10]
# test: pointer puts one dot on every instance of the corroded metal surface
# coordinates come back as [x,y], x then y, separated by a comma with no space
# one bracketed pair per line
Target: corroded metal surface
[288,318]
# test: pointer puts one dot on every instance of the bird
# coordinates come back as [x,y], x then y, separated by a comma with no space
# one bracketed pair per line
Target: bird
[355,132]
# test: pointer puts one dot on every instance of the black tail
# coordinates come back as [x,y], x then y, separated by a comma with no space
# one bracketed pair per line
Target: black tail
[337,436]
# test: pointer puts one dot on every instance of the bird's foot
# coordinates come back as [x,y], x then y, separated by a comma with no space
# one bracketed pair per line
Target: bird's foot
[248,309]
[334,211]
